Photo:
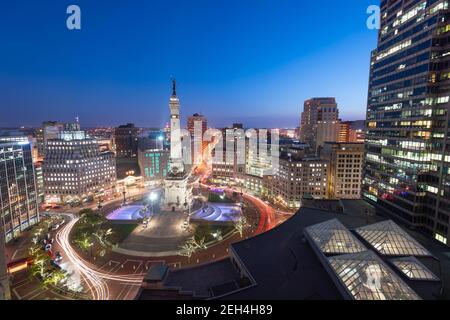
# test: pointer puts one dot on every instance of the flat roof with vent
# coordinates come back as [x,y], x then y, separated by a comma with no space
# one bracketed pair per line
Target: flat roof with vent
[366,277]
[388,239]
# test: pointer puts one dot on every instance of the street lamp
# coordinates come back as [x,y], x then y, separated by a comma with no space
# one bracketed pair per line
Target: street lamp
[153,197]
[124,198]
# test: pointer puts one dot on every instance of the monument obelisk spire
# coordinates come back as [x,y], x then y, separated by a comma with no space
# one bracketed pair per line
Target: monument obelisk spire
[177,189]
[176,156]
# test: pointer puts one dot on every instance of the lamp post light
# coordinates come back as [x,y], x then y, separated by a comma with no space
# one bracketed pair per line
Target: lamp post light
[153,197]
[124,198]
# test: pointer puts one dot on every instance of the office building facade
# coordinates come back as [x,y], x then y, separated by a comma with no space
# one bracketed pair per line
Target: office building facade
[346,169]
[153,159]
[48,131]
[296,179]
[126,140]
[197,125]
[408,146]
[18,195]
[323,110]
[75,170]
[5,293]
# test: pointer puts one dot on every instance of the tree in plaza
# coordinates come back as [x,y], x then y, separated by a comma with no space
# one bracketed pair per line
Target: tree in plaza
[191,246]
[91,218]
[187,250]
[218,235]
[103,236]
[198,245]
[240,224]
[55,278]
[34,250]
[41,263]
[83,241]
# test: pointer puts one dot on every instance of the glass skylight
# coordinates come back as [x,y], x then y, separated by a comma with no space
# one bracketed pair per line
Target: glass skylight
[367,277]
[414,269]
[389,239]
[333,238]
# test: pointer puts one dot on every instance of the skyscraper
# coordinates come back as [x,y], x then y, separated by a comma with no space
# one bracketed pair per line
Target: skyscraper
[197,118]
[197,125]
[319,114]
[18,196]
[408,146]
[126,140]
[49,130]
[4,277]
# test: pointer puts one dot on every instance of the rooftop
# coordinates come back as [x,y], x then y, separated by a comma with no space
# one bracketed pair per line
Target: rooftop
[389,239]
[333,238]
[414,269]
[318,254]
[284,265]
[367,277]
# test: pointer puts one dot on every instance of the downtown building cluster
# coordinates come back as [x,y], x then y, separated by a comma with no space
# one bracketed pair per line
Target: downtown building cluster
[326,164]
[398,160]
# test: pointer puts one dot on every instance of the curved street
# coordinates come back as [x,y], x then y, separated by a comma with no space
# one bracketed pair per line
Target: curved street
[118,277]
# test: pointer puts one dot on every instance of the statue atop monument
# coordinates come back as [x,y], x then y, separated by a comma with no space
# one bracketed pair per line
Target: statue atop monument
[178,190]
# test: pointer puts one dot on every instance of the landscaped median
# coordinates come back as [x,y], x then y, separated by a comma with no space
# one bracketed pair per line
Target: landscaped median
[94,234]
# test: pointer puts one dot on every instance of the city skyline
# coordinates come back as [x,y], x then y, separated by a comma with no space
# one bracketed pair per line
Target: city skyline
[213,150]
[227,71]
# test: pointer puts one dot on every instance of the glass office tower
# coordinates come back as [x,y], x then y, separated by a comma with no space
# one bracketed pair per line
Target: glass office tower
[408,143]
[18,196]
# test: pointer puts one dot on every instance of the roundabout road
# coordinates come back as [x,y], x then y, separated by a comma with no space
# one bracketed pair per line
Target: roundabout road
[98,282]
[120,277]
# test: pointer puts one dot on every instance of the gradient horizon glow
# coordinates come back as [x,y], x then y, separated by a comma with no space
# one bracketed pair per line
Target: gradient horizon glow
[252,61]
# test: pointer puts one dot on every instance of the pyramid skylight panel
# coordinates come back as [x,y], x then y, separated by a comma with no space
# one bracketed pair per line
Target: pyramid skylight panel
[414,269]
[366,277]
[389,239]
[332,237]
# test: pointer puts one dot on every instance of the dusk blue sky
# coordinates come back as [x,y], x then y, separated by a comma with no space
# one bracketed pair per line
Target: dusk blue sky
[249,61]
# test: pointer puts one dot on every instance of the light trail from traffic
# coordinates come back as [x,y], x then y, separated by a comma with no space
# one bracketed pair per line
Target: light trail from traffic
[96,285]
[97,282]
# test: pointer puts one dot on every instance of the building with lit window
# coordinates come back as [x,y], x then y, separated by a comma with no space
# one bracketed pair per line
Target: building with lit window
[344,131]
[408,146]
[126,140]
[346,169]
[297,178]
[75,170]
[39,177]
[5,293]
[197,125]
[48,131]
[323,111]
[229,155]
[153,159]
[203,124]
[352,131]
[327,131]
[18,195]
